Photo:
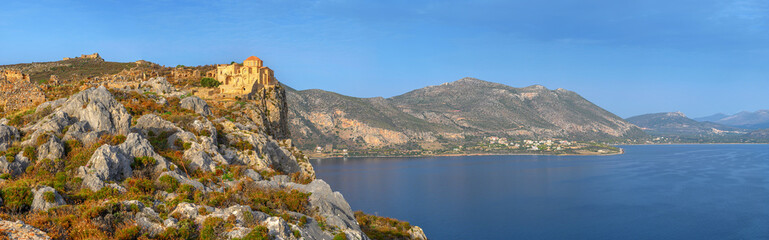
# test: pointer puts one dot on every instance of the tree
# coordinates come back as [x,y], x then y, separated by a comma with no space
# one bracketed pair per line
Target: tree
[209,82]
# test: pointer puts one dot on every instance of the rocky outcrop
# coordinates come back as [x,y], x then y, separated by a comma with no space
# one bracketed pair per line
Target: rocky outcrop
[46,198]
[416,233]
[15,165]
[97,107]
[53,149]
[331,205]
[19,230]
[113,163]
[152,123]
[159,85]
[197,105]
[8,135]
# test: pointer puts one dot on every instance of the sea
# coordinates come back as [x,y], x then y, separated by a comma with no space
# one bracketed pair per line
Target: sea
[649,192]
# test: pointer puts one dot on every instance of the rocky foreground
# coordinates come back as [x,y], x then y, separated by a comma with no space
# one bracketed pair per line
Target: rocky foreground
[154,162]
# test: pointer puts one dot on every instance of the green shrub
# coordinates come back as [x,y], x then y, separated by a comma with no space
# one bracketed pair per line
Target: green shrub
[49,197]
[258,233]
[340,236]
[5,176]
[29,152]
[17,198]
[297,234]
[141,162]
[168,183]
[209,82]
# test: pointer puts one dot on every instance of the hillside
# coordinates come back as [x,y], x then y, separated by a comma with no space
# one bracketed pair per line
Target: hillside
[750,120]
[127,156]
[677,127]
[450,114]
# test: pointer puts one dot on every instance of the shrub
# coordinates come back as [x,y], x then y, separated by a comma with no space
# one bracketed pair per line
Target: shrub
[29,152]
[340,236]
[49,197]
[209,82]
[168,183]
[17,198]
[258,233]
[382,227]
[128,233]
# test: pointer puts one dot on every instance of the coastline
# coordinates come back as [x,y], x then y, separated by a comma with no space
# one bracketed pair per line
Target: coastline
[650,144]
[622,151]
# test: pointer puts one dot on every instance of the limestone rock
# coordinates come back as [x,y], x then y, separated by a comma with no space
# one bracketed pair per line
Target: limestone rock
[8,135]
[113,163]
[53,149]
[19,230]
[416,233]
[16,167]
[106,164]
[81,131]
[279,228]
[40,203]
[97,107]
[253,175]
[197,105]
[159,85]
[156,125]
[280,158]
[331,205]
[51,104]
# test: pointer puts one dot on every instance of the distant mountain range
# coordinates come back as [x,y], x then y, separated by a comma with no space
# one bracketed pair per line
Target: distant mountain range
[749,120]
[459,111]
[677,127]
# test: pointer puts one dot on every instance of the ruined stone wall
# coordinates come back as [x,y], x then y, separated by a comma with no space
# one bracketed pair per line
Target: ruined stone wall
[17,92]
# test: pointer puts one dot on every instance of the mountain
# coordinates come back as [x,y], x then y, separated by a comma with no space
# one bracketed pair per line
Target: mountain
[711,118]
[751,120]
[455,112]
[676,127]
[676,123]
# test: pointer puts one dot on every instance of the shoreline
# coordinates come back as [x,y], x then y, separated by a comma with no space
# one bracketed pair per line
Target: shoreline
[622,151]
[651,144]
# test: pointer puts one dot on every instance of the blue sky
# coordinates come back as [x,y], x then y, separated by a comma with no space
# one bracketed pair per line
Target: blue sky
[630,57]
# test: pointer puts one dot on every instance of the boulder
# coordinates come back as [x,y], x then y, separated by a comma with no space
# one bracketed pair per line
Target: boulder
[81,131]
[46,198]
[19,230]
[280,158]
[113,163]
[53,149]
[107,163]
[8,135]
[330,205]
[53,123]
[16,167]
[253,175]
[279,228]
[416,233]
[156,125]
[159,85]
[197,105]
[50,104]
[97,107]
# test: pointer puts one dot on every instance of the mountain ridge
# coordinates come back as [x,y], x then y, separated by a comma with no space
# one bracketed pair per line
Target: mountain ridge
[450,112]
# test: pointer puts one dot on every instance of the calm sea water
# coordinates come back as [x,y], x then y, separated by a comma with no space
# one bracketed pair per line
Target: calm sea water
[650,192]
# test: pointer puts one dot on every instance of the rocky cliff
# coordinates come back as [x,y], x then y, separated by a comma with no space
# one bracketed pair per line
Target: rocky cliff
[467,108]
[152,161]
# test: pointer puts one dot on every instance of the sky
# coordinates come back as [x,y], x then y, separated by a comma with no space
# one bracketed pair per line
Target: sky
[630,57]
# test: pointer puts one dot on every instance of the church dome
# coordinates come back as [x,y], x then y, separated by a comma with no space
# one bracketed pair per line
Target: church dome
[253,58]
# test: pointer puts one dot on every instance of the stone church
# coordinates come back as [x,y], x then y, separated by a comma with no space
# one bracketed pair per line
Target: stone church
[239,79]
